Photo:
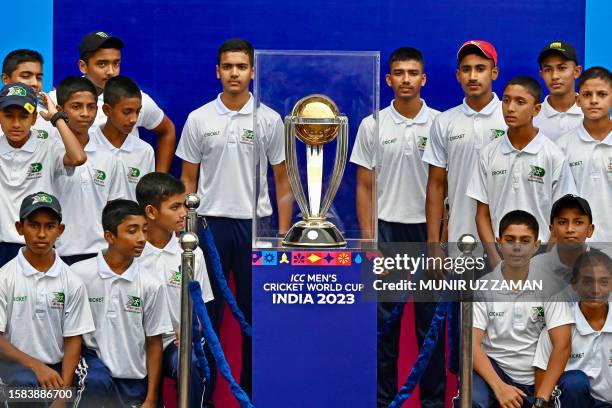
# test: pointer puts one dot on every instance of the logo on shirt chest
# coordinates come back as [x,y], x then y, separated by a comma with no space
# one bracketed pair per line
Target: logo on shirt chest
[456,137]
[42,134]
[58,300]
[421,143]
[610,164]
[496,314]
[498,172]
[247,136]
[537,314]
[99,177]
[19,298]
[495,133]
[175,279]
[389,141]
[536,174]
[35,171]
[576,355]
[133,304]
[96,299]
[133,174]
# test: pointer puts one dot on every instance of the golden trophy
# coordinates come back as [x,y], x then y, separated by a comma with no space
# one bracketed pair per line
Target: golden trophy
[315,120]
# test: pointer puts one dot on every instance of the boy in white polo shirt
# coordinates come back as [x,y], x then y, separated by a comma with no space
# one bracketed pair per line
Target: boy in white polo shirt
[28,162]
[508,323]
[122,104]
[559,69]
[43,304]
[395,150]
[521,170]
[587,379]
[163,199]
[99,180]
[26,66]
[589,148]
[456,137]
[130,313]
[100,60]
[217,145]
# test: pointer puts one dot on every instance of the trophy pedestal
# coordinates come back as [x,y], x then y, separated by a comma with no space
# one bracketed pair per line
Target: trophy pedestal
[314,233]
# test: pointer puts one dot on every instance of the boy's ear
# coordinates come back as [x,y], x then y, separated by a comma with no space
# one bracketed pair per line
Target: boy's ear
[388,79]
[109,237]
[107,109]
[19,224]
[151,212]
[536,246]
[5,79]
[494,72]
[590,230]
[61,227]
[537,108]
[217,71]
[83,67]
[577,71]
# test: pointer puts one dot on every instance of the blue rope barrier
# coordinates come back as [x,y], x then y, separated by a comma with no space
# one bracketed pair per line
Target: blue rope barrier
[199,310]
[424,357]
[198,349]
[454,336]
[211,250]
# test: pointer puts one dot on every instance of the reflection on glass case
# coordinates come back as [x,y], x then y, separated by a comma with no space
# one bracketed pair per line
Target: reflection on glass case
[309,199]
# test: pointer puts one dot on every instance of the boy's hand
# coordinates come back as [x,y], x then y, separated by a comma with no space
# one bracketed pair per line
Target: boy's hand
[48,104]
[47,377]
[509,396]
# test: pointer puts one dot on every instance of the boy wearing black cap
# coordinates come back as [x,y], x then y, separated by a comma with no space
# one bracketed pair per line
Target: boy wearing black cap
[100,60]
[589,148]
[28,162]
[26,66]
[43,304]
[559,69]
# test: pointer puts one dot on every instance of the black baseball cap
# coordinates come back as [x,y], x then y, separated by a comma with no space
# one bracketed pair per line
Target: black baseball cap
[20,95]
[37,201]
[571,201]
[99,39]
[566,50]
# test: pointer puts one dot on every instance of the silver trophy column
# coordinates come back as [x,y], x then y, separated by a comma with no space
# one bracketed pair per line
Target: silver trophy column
[467,243]
[189,242]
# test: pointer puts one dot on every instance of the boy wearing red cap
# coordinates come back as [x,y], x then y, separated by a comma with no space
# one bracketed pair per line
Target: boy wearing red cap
[457,136]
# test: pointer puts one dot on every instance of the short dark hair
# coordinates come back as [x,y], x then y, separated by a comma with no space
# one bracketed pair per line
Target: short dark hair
[595,72]
[530,84]
[120,87]
[16,57]
[405,54]
[589,259]
[116,211]
[155,188]
[73,84]
[519,217]
[236,44]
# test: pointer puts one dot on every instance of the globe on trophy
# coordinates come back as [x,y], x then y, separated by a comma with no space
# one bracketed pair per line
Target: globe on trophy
[315,120]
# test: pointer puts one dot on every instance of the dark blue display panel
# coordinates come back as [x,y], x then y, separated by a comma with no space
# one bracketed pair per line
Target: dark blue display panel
[314,340]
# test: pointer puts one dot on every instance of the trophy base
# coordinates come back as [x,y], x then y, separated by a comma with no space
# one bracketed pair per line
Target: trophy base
[314,233]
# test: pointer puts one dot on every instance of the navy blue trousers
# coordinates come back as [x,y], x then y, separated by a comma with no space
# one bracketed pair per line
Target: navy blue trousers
[16,375]
[196,381]
[8,251]
[233,241]
[433,383]
[483,396]
[576,391]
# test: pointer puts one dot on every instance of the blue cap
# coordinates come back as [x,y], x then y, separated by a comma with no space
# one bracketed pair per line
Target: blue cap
[18,94]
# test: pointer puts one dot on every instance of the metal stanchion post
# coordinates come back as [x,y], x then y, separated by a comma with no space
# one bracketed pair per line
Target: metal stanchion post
[189,242]
[467,243]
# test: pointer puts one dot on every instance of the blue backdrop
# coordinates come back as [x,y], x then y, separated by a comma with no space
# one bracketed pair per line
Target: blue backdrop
[171,45]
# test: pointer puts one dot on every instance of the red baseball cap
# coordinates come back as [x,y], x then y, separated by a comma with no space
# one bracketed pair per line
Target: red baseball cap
[485,47]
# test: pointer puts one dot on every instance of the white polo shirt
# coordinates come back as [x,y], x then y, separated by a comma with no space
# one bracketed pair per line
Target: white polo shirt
[591,353]
[513,323]
[126,309]
[590,162]
[32,168]
[553,123]
[531,179]
[39,309]
[136,155]
[222,142]
[150,115]
[395,150]
[164,264]
[83,194]
[456,137]
[557,274]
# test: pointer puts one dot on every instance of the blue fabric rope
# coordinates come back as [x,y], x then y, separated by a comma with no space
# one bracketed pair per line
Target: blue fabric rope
[211,250]
[198,349]
[199,310]
[422,362]
[454,336]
